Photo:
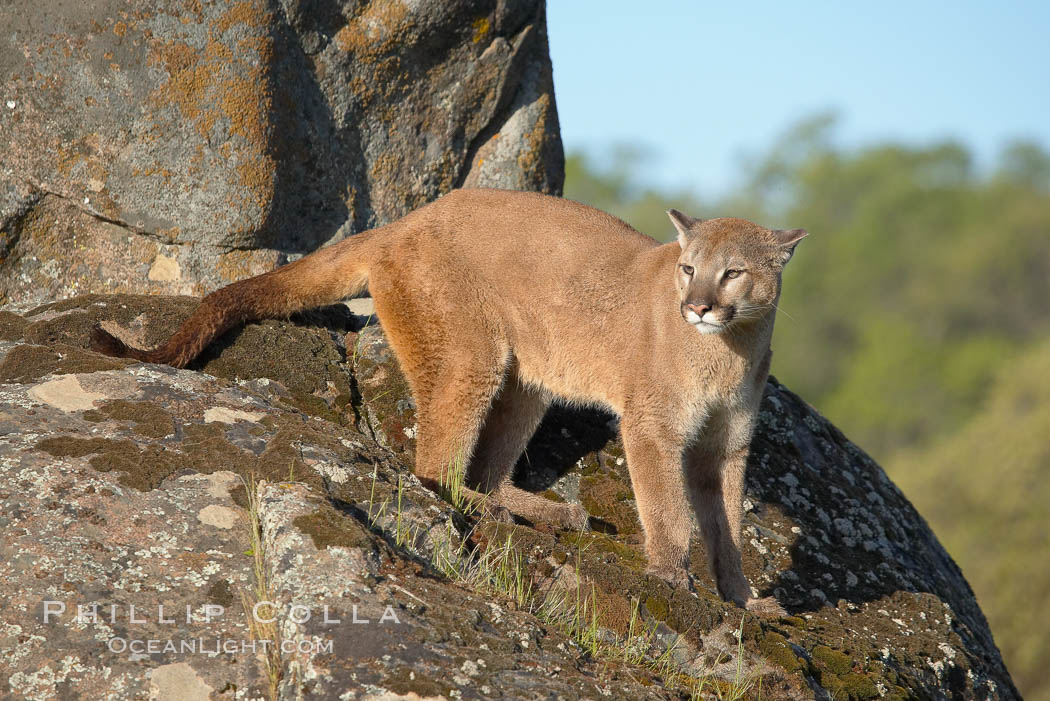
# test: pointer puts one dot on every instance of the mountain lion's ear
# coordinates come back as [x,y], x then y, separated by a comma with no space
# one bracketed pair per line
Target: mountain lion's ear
[788,239]
[683,223]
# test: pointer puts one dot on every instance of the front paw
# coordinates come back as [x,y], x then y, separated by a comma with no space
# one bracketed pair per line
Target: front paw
[677,577]
[766,606]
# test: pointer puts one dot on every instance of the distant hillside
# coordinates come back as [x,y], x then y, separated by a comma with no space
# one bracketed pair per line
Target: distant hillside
[985,491]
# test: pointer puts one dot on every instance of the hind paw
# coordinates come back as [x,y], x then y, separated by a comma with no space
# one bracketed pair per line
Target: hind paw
[573,516]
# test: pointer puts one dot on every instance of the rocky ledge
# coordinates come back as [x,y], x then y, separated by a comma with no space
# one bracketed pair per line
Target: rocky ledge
[147,511]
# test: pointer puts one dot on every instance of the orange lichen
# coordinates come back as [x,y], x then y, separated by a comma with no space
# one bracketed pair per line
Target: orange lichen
[153,170]
[481,29]
[242,13]
[200,86]
[385,167]
[120,29]
[257,177]
[343,38]
[375,31]
[530,157]
[247,105]
[65,160]
[188,80]
[176,57]
[237,265]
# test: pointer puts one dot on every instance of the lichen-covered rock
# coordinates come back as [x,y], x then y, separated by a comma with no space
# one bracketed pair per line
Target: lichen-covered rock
[124,484]
[173,147]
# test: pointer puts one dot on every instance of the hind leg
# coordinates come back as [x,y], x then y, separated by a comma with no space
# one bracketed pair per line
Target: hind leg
[451,416]
[454,366]
[513,418]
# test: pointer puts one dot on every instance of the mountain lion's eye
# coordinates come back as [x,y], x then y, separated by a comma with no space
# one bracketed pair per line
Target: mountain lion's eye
[734,273]
[687,269]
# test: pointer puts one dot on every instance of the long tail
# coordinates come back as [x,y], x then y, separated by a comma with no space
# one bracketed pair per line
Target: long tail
[323,277]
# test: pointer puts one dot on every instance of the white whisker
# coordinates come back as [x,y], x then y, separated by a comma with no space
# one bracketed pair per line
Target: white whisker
[784,312]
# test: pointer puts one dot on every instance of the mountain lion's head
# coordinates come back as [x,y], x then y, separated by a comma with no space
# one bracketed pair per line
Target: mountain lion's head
[729,270]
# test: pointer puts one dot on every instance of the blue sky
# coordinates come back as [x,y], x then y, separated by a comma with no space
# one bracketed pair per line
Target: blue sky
[703,85]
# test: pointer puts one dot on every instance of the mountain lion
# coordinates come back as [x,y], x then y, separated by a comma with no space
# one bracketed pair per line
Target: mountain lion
[496,303]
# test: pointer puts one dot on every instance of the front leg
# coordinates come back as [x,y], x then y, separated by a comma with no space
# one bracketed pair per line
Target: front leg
[714,479]
[654,460]
[716,466]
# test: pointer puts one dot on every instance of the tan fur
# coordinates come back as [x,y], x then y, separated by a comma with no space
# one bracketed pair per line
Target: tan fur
[498,302]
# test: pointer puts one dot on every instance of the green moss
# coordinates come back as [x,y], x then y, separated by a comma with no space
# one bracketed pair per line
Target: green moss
[329,528]
[300,356]
[65,305]
[204,448]
[159,317]
[603,547]
[63,328]
[857,686]
[149,419]
[142,468]
[609,498]
[11,326]
[832,660]
[834,671]
[304,360]
[239,494]
[589,465]
[385,396]
[657,606]
[525,539]
[28,363]
[776,649]
[71,447]
[614,610]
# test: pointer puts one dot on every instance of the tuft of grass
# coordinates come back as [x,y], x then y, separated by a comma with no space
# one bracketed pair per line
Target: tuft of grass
[397,515]
[501,569]
[454,483]
[632,652]
[404,536]
[262,590]
[743,681]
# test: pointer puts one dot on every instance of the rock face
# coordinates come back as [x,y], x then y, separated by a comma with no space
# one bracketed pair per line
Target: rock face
[277,469]
[175,146]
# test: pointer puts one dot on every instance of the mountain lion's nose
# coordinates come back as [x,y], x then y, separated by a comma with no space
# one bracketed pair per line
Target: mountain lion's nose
[699,309]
